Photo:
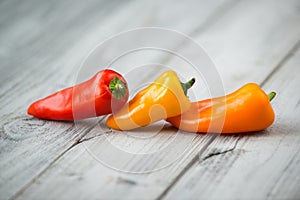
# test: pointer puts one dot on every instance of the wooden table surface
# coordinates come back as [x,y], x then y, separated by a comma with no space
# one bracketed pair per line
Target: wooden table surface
[42,44]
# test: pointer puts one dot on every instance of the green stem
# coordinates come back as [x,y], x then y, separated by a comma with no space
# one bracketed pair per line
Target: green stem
[271,95]
[187,85]
[118,88]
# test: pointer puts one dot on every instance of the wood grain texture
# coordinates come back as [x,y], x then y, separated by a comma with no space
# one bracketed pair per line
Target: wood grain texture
[260,166]
[37,44]
[260,56]
[41,48]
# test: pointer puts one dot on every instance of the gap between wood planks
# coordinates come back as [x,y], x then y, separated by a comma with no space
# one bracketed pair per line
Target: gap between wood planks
[282,62]
[194,160]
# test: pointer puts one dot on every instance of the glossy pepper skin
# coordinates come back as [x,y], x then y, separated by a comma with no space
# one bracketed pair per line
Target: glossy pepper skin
[105,92]
[246,110]
[165,97]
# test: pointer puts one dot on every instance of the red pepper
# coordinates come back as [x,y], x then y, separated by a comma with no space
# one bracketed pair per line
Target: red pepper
[104,93]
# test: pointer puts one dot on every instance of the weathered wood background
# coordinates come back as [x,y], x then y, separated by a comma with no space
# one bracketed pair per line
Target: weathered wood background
[42,44]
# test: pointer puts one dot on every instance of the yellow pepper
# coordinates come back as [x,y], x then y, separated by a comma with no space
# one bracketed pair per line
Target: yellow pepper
[164,98]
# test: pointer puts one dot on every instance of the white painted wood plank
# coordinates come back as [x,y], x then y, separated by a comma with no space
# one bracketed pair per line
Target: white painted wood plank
[89,179]
[46,60]
[261,166]
[249,41]
[27,149]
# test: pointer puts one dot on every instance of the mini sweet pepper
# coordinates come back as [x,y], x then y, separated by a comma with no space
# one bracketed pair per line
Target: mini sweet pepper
[246,110]
[165,97]
[102,94]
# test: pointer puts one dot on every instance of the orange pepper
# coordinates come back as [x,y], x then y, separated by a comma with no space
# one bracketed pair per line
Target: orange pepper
[245,110]
[165,97]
